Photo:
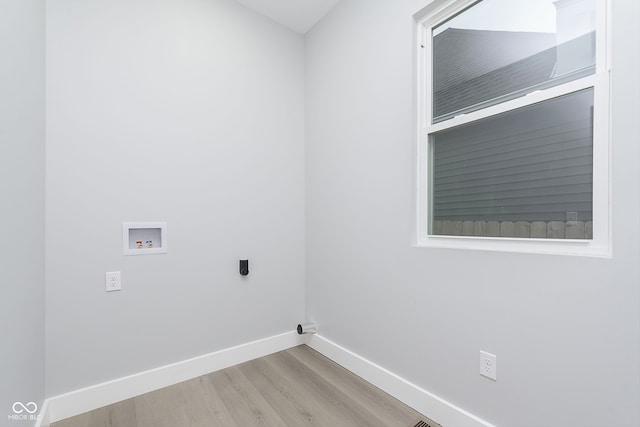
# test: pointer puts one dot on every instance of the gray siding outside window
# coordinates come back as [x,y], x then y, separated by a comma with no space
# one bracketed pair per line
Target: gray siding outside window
[531,164]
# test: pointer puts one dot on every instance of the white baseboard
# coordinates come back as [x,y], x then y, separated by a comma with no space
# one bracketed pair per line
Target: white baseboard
[43,415]
[432,406]
[87,399]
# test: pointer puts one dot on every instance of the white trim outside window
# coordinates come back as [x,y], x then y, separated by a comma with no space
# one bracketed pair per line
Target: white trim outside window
[599,82]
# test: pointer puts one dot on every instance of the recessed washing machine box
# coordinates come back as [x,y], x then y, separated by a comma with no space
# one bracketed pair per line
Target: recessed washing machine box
[144,238]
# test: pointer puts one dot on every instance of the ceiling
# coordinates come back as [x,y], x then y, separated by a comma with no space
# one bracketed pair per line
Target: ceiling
[299,15]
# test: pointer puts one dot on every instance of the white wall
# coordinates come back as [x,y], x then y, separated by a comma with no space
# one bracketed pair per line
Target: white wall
[566,331]
[184,111]
[22,259]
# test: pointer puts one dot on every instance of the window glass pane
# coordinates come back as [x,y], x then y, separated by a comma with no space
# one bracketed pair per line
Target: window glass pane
[524,173]
[500,49]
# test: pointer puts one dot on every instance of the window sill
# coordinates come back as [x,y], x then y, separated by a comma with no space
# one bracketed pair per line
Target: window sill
[569,247]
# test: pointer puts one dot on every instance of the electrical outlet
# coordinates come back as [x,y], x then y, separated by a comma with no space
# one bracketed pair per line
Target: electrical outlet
[488,365]
[112,281]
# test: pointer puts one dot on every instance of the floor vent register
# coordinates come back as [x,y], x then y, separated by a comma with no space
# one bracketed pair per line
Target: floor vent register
[427,423]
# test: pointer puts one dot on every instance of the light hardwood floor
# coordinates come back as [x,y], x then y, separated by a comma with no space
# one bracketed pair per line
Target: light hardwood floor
[296,387]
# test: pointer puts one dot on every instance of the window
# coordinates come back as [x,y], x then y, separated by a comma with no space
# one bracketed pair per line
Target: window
[513,126]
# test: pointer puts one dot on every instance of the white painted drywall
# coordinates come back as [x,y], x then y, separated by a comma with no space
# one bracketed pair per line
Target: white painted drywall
[184,111]
[298,15]
[22,186]
[565,329]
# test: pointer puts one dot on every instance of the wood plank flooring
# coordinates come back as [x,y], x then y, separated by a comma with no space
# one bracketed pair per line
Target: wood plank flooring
[296,387]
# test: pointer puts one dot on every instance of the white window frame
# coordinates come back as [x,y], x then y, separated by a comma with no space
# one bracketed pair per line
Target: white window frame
[600,245]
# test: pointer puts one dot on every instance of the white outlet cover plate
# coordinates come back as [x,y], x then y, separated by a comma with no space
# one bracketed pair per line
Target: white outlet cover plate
[488,366]
[112,281]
